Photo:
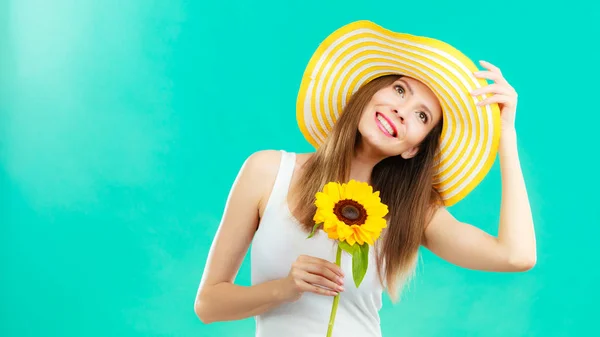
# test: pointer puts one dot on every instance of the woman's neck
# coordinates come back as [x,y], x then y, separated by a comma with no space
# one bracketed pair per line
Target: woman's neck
[362,165]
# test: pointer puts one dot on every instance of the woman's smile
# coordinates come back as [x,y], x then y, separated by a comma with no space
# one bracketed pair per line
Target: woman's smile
[386,125]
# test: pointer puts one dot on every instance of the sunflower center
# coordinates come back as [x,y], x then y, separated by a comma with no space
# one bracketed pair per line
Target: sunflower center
[350,212]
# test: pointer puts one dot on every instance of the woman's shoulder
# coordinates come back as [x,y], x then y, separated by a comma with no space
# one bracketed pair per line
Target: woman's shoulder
[267,162]
[261,165]
[264,158]
[260,171]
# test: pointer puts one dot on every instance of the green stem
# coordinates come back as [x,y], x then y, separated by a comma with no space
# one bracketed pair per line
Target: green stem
[336,299]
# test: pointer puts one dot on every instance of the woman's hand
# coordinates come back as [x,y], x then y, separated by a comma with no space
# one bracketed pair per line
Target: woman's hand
[311,274]
[502,93]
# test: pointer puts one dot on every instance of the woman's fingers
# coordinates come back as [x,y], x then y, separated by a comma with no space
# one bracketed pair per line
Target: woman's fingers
[492,89]
[318,261]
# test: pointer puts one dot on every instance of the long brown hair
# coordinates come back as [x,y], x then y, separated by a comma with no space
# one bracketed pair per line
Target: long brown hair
[405,185]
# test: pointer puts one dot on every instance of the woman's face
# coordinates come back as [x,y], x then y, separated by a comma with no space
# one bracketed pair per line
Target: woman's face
[399,117]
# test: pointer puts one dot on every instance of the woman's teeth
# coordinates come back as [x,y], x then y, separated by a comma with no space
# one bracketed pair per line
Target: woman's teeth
[386,125]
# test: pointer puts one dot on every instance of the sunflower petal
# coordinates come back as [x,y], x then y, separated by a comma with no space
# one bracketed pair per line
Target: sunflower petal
[324,200]
[362,199]
[350,189]
[367,189]
[332,189]
[374,224]
[375,236]
[351,241]
[333,235]
[323,215]
[364,236]
[357,236]
[343,230]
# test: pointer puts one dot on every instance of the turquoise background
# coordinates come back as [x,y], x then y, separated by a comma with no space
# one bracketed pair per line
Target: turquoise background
[124,123]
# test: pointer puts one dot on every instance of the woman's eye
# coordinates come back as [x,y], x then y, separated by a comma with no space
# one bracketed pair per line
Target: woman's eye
[399,89]
[423,116]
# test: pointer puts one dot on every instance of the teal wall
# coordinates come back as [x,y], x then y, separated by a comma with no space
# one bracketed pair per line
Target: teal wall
[124,123]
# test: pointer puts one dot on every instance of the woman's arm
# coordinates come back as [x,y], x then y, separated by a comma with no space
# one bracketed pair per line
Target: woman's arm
[515,247]
[467,246]
[218,298]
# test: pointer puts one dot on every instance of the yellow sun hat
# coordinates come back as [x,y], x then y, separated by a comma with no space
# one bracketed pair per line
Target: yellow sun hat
[361,51]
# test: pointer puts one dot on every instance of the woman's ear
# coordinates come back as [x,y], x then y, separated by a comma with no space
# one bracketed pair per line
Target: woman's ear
[410,153]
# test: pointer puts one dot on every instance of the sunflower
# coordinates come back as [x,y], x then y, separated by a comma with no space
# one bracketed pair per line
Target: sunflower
[350,212]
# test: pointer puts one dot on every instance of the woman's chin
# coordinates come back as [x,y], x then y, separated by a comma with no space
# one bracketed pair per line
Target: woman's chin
[381,144]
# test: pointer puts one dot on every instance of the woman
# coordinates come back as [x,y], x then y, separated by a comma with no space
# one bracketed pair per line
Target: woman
[414,128]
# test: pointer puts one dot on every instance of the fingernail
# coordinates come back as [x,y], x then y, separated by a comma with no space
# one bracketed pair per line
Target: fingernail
[340,280]
[341,288]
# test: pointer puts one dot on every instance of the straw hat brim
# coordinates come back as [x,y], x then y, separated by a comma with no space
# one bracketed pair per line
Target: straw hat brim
[362,51]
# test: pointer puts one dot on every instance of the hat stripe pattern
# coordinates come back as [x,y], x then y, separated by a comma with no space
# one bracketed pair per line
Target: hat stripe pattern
[359,52]
[374,63]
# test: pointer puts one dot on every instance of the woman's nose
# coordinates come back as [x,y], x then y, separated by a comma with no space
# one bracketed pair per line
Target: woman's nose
[399,114]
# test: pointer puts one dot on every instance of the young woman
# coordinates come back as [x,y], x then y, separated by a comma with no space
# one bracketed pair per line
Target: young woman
[409,115]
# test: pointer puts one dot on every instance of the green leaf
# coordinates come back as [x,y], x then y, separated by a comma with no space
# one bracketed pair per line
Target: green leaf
[347,248]
[314,230]
[360,262]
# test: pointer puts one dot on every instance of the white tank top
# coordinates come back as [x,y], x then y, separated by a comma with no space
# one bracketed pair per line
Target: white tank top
[277,243]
